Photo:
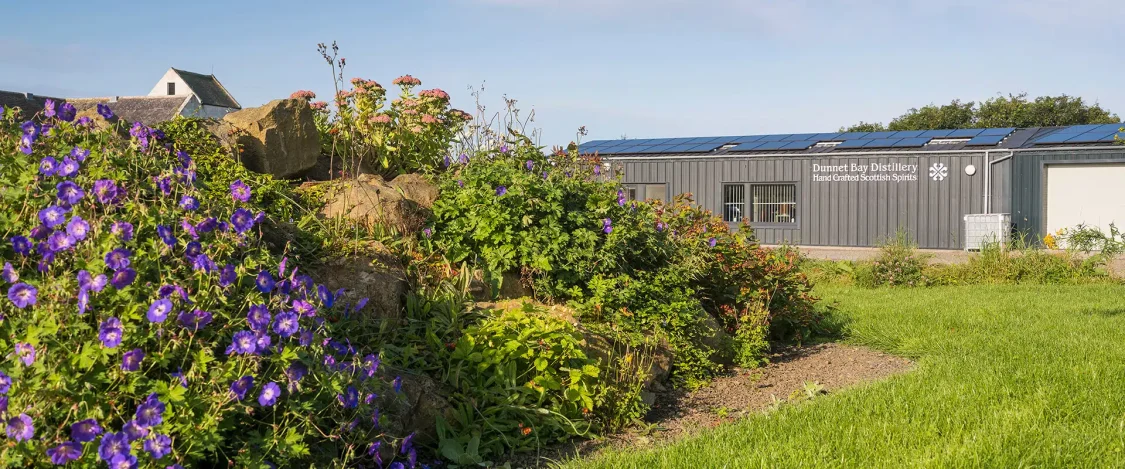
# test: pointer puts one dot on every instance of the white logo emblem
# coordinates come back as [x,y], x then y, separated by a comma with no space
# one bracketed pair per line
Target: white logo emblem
[938,172]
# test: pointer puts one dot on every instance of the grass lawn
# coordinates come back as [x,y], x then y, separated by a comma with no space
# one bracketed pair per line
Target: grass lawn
[1006,376]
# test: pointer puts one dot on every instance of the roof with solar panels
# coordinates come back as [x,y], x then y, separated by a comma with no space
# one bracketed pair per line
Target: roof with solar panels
[845,142]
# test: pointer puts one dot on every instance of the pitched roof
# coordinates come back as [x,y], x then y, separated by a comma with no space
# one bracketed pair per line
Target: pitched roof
[208,88]
[148,110]
[30,104]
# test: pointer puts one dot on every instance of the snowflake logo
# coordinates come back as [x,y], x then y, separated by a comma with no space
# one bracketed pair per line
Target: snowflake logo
[938,172]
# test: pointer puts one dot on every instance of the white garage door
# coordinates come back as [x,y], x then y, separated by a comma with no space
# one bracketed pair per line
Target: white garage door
[1093,194]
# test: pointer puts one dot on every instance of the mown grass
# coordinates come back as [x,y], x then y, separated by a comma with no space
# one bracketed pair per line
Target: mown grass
[1005,376]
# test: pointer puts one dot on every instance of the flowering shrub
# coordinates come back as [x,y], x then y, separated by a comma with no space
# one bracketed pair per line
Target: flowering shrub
[145,324]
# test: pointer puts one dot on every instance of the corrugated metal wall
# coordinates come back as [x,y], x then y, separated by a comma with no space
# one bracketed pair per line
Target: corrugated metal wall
[837,213]
[1029,187]
[1001,176]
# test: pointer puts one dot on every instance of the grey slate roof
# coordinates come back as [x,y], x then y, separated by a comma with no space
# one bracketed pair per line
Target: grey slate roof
[28,103]
[208,89]
[148,110]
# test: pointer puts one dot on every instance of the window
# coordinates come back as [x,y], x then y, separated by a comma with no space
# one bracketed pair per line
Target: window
[773,203]
[734,202]
[171,88]
[655,192]
[630,193]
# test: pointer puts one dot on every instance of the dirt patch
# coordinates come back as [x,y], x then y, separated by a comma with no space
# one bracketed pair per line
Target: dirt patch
[676,414]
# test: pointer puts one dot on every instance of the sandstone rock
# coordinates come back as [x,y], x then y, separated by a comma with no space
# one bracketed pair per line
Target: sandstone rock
[380,279]
[511,286]
[403,204]
[279,138]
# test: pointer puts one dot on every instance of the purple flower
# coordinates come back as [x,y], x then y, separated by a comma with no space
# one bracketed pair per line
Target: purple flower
[68,168]
[407,444]
[22,295]
[77,228]
[3,404]
[85,431]
[165,234]
[26,353]
[621,198]
[464,158]
[20,428]
[165,185]
[244,343]
[305,338]
[269,394]
[123,229]
[84,121]
[397,384]
[49,108]
[21,245]
[66,112]
[110,332]
[371,365]
[207,225]
[350,398]
[134,431]
[607,226]
[123,461]
[285,324]
[189,229]
[52,216]
[501,191]
[61,241]
[504,148]
[83,300]
[712,242]
[530,165]
[202,262]
[106,191]
[40,233]
[262,343]
[159,446]
[194,320]
[118,259]
[159,310]
[445,162]
[241,386]
[265,282]
[79,154]
[193,249]
[460,183]
[105,111]
[113,444]
[242,220]
[131,361]
[189,203]
[227,276]
[48,166]
[258,318]
[5,383]
[86,282]
[9,274]
[64,453]
[151,412]
[360,304]
[240,191]
[296,371]
[597,170]
[326,297]
[660,226]
[123,278]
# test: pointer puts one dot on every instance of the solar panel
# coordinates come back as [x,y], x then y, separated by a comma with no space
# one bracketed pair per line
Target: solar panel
[772,145]
[1110,127]
[773,137]
[854,143]
[747,139]
[802,145]
[683,147]
[912,142]
[936,133]
[747,146]
[986,139]
[908,133]
[1080,129]
[1057,137]
[1092,136]
[961,133]
[884,134]
[998,131]
[882,143]
[851,135]
[679,141]
[799,137]
[705,147]
[826,137]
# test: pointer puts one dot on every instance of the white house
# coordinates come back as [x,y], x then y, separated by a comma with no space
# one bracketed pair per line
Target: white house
[208,97]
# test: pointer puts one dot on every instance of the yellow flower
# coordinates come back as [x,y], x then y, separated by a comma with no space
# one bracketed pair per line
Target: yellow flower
[1050,242]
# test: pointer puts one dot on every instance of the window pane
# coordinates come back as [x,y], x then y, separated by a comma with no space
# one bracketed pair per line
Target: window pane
[774,203]
[655,191]
[734,202]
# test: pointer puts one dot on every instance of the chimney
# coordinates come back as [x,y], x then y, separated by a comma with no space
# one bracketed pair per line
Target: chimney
[113,99]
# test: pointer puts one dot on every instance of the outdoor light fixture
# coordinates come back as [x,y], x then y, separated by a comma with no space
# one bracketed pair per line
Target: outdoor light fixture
[970,170]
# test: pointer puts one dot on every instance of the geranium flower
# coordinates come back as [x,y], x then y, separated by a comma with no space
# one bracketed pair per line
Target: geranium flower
[202,262]
[607,226]
[207,225]
[305,338]
[350,398]
[159,446]
[269,394]
[427,232]
[501,191]
[49,108]
[20,428]
[464,158]
[159,310]
[123,461]
[123,278]
[264,282]
[5,383]
[105,111]
[9,274]
[240,191]
[64,453]
[77,227]
[48,166]
[530,165]
[118,259]
[21,245]
[87,282]
[123,229]
[296,371]
[243,343]
[258,317]
[194,320]
[262,343]
[151,412]
[242,220]
[79,154]
[61,241]
[360,304]
[68,168]
[66,112]
[189,203]
[165,234]
[189,229]
[113,444]
[503,148]
[110,332]
[106,191]
[397,384]
[26,353]
[165,185]
[52,216]
[40,233]
[621,198]
[134,431]
[240,386]
[285,324]
[227,276]
[712,242]
[83,300]
[132,359]
[69,192]
[85,431]
[23,295]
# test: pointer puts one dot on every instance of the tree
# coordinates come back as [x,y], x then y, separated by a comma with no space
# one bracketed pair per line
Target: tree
[1001,111]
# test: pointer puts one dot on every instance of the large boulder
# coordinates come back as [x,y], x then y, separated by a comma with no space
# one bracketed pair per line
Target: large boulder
[402,204]
[417,408]
[380,278]
[279,138]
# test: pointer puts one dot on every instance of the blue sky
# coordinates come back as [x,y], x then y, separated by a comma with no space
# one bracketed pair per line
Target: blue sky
[642,68]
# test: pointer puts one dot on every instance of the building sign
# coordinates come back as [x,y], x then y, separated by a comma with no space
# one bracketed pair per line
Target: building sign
[869,172]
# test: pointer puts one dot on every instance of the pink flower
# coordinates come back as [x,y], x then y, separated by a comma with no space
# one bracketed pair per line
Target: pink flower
[380,119]
[416,129]
[303,94]
[434,93]
[461,114]
[410,112]
[319,105]
[367,85]
[407,80]
[428,119]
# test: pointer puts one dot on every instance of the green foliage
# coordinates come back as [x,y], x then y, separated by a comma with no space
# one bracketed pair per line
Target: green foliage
[1001,111]
[898,264]
[76,375]
[864,127]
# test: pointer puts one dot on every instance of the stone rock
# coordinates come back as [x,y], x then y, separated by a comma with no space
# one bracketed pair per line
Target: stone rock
[379,278]
[279,138]
[717,338]
[402,204]
[416,409]
[512,286]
